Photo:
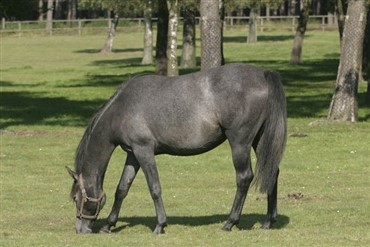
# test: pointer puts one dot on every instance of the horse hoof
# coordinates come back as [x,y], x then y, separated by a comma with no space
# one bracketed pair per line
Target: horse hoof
[105,229]
[159,230]
[227,228]
[267,225]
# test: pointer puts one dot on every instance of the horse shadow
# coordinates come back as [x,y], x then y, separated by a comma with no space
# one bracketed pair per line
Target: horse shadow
[247,222]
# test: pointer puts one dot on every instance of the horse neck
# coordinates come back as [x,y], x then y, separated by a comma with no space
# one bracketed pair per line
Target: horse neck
[96,157]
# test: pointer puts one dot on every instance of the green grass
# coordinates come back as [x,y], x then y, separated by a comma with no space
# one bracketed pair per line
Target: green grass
[50,86]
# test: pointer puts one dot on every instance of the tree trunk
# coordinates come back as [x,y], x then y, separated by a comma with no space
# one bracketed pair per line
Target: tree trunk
[222,20]
[292,7]
[161,43]
[41,10]
[341,12]
[49,17]
[72,10]
[58,10]
[148,34]
[172,68]
[268,7]
[252,35]
[210,34]
[343,106]
[188,59]
[296,54]
[108,46]
[366,58]
[368,88]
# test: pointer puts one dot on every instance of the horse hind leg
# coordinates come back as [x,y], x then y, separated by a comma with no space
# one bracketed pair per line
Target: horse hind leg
[244,177]
[271,206]
[272,195]
[271,216]
[128,175]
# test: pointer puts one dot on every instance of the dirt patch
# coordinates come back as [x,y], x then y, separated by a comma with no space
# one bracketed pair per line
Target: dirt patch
[295,196]
[298,135]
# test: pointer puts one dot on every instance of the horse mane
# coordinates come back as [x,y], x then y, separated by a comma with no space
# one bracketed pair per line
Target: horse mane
[81,149]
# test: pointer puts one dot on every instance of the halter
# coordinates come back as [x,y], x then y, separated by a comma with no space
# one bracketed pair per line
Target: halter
[85,199]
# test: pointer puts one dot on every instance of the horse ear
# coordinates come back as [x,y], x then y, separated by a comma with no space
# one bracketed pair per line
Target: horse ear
[72,174]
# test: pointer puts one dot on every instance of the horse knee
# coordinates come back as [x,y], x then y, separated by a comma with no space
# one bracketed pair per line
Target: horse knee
[244,179]
[121,194]
[122,190]
[155,192]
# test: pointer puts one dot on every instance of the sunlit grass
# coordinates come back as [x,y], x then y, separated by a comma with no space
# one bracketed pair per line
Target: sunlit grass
[50,86]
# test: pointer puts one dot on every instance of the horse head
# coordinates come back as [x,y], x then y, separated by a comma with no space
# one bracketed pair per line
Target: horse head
[88,201]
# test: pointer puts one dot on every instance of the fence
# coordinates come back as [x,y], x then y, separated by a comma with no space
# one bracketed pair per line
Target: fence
[84,26]
[78,27]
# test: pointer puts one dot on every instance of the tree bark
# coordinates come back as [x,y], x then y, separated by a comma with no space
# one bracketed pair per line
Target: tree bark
[296,54]
[210,34]
[148,34]
[222,21]
[72,10]
[41,10]
[343,106]
[108,46]
[188,59]
[268,7]
[341,12]
[161,43]
[49,17]
[172,67]
[366,58]
[292,7]
[252,34]
[58,10]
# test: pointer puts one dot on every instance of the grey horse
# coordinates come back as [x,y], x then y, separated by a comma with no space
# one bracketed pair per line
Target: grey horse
[184,115]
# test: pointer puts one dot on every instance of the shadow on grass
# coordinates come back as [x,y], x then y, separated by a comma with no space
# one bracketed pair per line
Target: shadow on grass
[261,38]
[25,108]
[120,63]
[309,88]
[94,51]
[247,222]
[110,80]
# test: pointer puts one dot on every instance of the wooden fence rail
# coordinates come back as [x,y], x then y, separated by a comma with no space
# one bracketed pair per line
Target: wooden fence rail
[81,26]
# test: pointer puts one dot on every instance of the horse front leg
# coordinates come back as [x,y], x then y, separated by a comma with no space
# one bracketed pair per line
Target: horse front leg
[244,177]
[271,206]
[128,175]
[145,156]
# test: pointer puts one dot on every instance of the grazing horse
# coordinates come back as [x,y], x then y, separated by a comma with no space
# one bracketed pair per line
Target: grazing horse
[184,115]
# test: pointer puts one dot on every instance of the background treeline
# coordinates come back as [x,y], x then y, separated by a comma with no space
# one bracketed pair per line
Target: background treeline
[84,9]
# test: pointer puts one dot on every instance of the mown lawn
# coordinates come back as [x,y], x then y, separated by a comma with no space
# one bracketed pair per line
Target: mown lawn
[50,86]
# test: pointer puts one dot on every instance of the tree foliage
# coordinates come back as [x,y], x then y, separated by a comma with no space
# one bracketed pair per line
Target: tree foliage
[28,9]
[123,8]
[19,10]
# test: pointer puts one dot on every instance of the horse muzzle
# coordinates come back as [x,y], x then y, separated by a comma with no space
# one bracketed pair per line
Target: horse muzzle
[83,225]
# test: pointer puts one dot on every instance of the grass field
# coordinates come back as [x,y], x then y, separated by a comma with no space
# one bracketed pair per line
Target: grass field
[50,86]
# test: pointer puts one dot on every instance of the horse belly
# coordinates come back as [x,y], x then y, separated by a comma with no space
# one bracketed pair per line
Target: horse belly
[190,141]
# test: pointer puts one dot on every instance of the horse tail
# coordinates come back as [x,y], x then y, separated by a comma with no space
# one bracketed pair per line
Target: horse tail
[272,136]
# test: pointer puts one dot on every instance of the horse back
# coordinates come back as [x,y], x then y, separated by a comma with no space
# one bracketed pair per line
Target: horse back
[188,114]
